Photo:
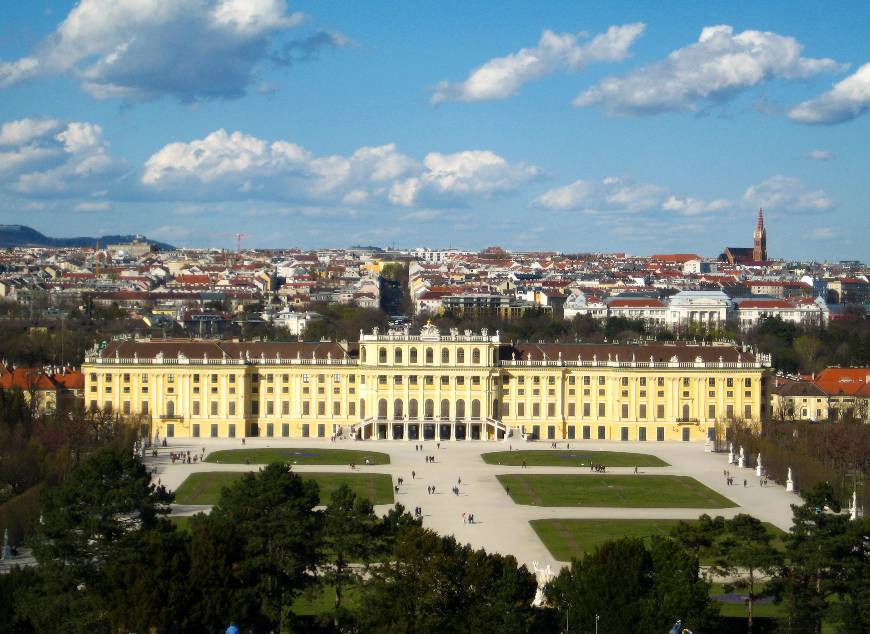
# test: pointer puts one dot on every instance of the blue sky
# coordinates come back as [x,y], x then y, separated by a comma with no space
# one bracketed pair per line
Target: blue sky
[639,127]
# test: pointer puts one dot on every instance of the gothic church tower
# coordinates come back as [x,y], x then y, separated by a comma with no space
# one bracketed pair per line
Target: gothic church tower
[759,248]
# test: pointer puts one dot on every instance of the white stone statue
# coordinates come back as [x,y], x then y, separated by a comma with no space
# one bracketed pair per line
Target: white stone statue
[7,549]
[789,483]
[759,470]
[544,576]
[741,462]
[853,513]
[730,453]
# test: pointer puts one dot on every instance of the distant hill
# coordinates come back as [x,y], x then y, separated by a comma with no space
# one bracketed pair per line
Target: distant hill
[22,236]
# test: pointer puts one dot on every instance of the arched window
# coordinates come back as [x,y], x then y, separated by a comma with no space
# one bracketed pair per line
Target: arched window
[382,408]
[363,354]
[460,409]
[170,408]
[495,413]
[460,355]
[397,355]
[475,355]
[413,355]
[398,409]
[685,411]
[429,355]
[445,409]
[445,355]
[382,355]
[362,409]
[429,409]
[475,409]
[413,414]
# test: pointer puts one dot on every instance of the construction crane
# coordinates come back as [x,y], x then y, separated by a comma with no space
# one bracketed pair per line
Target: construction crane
[239,238]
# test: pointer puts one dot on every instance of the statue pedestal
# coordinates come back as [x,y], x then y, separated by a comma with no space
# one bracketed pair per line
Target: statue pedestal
[730,457]
[741,463]
[789,486]
[758,471]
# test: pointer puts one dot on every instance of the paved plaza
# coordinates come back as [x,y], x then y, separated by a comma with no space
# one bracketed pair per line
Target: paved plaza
[500,525]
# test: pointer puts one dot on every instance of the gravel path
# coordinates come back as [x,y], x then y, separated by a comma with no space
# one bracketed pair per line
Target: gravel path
[500,525]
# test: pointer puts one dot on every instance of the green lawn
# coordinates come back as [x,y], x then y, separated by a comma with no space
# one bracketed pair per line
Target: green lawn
[567,538]
[320,600]
[295,455]
[572,458]
[739,609]
[205,488]
[634,491]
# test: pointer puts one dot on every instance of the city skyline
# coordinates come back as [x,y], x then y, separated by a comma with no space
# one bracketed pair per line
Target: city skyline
[571,129]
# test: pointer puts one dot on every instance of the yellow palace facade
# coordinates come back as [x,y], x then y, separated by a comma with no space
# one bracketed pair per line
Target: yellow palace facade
[431,385]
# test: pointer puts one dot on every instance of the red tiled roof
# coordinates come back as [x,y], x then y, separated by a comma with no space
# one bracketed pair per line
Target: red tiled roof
[636,303]
[765,303]
[26,379]
[680,258]
[71,380]
[842,380]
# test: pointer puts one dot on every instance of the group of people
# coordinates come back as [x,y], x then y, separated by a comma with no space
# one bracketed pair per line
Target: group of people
[729,479]
[468,518]
[430,459]
[600,468]
[179,456]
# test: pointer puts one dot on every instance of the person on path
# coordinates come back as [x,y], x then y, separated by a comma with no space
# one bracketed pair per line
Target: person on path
[635,471]
[460,480]
[413,474]
[463,518]
[744,484]
[439,445]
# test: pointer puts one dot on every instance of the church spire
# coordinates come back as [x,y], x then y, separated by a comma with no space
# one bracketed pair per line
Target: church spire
[759,247]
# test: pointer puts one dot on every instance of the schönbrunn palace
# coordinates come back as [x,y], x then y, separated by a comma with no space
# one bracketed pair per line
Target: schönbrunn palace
[455,386]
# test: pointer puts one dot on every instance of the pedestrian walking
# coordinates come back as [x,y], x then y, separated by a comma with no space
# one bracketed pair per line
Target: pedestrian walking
[413,474]
[744,484]
[635,471]
[460,480]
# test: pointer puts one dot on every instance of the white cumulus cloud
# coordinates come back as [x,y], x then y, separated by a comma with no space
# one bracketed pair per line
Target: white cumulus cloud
[615,194]
[450,178]
[23,131]
[718,66]
[847,100]
[48,158]
[820,155]
[789,194]
[143,49]
[240,166]
[502,77]
[821,233]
